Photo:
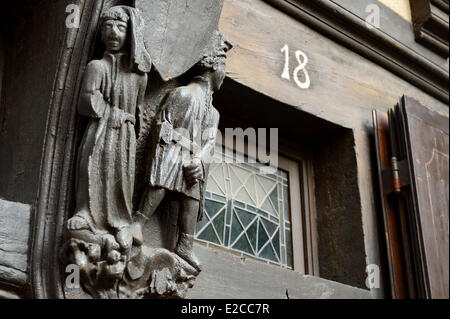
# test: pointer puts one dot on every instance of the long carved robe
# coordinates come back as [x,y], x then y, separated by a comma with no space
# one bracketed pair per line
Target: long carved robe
[111,94]
[185,111]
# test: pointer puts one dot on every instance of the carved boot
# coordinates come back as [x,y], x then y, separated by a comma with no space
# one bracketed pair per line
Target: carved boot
[138,237]
[184,249]
[124,237]
[139,221]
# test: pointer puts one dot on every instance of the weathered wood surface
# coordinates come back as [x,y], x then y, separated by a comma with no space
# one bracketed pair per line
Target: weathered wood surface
[345,87]
[350,31]
[429,142]
[431,27]
[226,275]
[394,251]
[14,233]
[393,26]
[177,33]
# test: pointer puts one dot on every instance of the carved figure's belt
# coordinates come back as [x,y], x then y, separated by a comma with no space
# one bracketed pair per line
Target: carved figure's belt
[167,134]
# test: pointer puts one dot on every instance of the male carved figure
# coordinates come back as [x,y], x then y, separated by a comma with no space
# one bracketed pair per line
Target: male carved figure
[113,89]
[183,139]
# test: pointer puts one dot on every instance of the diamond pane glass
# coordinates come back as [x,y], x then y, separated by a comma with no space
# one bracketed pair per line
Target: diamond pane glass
[246,210]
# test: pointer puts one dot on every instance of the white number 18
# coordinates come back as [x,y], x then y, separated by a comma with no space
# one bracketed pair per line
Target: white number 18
[301,67]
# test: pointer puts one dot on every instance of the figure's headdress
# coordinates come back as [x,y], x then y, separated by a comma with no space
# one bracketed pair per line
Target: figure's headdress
[140,58]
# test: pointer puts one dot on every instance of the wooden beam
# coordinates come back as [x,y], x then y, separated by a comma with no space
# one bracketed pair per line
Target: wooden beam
[343,27]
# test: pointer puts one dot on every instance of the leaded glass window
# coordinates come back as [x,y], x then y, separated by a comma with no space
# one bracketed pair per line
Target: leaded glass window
[247,211]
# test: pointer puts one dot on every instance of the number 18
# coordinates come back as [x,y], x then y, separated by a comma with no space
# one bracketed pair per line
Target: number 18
[301,67]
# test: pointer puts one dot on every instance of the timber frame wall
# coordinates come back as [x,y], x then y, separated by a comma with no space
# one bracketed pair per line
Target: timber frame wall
[338,24]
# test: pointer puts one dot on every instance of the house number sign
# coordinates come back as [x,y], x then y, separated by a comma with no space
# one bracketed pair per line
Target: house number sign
[302,61]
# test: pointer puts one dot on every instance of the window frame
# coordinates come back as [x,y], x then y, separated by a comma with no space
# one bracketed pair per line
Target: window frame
[297,162]
[304,159]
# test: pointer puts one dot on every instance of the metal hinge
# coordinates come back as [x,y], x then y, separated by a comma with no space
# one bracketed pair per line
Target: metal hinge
[396,176]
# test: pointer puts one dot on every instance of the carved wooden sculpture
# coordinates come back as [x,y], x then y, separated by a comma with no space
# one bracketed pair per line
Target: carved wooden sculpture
[113,89]
[105,238]
[183,138]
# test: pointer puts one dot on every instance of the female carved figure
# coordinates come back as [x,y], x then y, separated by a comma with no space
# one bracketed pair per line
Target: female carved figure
[113,89]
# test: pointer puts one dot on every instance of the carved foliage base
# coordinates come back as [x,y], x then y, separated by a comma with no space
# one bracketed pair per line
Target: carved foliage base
[156,273]
[142,273]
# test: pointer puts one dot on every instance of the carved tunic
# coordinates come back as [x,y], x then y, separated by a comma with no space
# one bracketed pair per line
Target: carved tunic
[110,96]
[186,112]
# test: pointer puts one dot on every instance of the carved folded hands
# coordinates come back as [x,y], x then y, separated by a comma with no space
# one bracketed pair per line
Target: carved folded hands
[118,117]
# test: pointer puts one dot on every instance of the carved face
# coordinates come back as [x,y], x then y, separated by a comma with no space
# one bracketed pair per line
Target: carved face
[114,35]
[218,76]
